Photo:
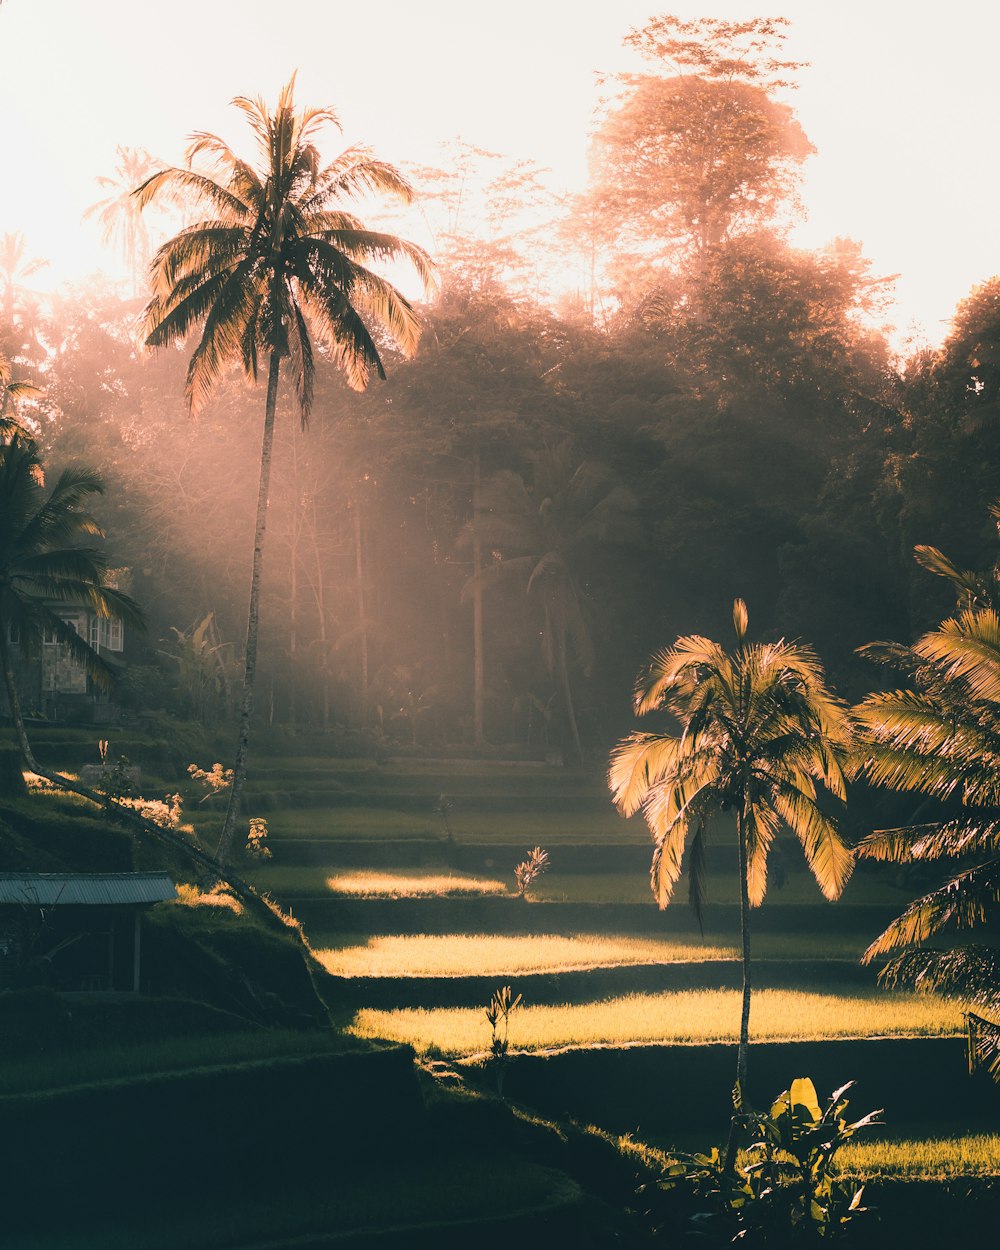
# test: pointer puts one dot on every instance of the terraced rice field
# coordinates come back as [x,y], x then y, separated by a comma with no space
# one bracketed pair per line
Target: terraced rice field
[486,954]
[370,848]
[686,1017]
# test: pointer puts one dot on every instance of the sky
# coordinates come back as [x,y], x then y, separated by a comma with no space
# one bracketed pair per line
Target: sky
[901,99]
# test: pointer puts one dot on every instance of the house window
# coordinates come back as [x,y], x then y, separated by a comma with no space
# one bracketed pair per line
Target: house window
[95,632]
[14,634]
[49,638]
[115,636]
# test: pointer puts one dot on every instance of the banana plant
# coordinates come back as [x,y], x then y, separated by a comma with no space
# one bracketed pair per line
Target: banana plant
[786,1182]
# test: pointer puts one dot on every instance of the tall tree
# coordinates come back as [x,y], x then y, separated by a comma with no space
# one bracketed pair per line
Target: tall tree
[15,264]
[119,215]
[541,529]
[279,263]
[44,568]
[11,391]
[761,736]
[700,151]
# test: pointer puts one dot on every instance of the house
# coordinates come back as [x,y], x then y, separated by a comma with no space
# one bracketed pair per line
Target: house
[76,931]
[54,685]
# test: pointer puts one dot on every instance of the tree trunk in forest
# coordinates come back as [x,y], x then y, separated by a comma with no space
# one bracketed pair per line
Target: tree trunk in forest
[570,711]
[253,614]
[14,704]
[293,593]
[359,569]
[478,718]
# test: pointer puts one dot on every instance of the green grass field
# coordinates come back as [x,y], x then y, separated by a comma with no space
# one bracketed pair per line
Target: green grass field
[487,954]
[578,887]
[65,1070]
[354,820]
[688,1016]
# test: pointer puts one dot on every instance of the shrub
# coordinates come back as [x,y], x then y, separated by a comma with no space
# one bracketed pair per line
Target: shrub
[785,1186]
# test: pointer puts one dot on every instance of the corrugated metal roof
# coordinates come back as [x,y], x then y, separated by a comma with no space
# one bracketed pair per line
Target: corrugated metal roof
[83,889]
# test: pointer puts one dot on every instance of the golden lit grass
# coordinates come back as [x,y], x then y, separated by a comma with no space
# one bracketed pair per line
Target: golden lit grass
[415,884]
[487,954]
[687,1016]
[922,1158]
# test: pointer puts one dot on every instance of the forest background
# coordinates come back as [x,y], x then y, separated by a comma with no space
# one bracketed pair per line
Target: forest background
[630,406]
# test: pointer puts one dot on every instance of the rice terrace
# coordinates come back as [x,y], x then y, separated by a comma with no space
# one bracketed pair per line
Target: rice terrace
[499,627]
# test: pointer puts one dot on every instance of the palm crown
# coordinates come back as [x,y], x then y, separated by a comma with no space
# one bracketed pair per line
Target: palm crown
[280,261]
[542,528]
[941,739]
[760,735]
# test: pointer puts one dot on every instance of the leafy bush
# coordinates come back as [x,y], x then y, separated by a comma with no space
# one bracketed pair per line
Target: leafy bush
[530,869]
[785,1186]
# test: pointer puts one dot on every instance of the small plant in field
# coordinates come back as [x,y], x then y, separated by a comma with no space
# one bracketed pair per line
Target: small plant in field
[498,1013]
[119,780]
[215,780]
[165,811]
[257,847]
[443,809]
[526,872]
[784,1185]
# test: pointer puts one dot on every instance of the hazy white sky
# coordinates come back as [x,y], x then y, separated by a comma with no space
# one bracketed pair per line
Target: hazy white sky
[901,99]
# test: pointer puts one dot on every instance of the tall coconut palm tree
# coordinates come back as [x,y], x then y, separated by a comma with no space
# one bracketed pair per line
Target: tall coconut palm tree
[278,269]
[43,569]
[941,739]
[119,214]
[760,736]
[541,528]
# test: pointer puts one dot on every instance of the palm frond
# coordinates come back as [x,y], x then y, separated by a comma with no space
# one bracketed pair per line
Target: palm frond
[969,974]
[961,903]
[829,858]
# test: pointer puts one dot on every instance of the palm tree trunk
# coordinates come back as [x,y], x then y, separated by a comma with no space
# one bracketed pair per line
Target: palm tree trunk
[555,624]
[477,611]
[359,573]
[14,703]
[740,1089]
[253,613]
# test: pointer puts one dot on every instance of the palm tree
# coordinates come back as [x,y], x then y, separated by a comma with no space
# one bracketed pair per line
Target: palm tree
[941,739]
[277,264]
[761,736]
[42,569]
[541,529]
[11,390]
[15,264]
[119,214]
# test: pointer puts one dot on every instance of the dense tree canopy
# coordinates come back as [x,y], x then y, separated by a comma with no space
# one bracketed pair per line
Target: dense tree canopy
[743,390]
